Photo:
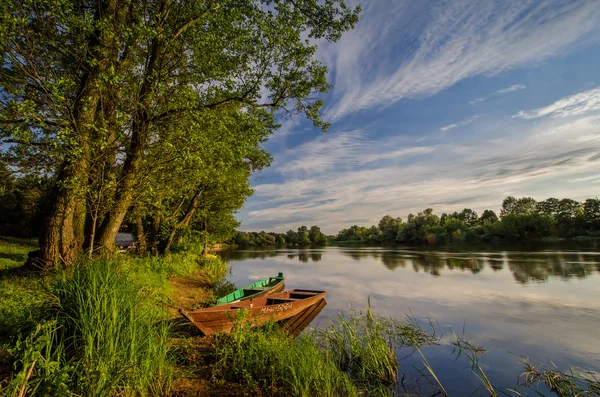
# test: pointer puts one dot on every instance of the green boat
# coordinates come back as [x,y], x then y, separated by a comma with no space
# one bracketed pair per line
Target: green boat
[264,287]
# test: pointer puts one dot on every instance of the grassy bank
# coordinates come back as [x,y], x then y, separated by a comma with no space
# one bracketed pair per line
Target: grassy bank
[101,328]
[110,328]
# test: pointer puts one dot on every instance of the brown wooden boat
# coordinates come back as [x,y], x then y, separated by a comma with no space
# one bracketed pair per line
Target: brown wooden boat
[276,307]
[296,324]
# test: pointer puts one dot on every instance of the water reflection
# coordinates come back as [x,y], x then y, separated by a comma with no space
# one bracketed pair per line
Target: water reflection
[525,267]
[542,303]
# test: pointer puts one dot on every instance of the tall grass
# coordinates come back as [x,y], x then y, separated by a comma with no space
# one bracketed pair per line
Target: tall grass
[564,383]
[355,354]
[268,359]
[107,338]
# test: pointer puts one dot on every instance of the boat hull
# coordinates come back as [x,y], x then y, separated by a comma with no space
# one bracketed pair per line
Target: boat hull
[256,312]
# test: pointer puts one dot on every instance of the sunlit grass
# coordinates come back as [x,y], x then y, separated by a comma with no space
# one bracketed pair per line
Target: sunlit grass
[99,328]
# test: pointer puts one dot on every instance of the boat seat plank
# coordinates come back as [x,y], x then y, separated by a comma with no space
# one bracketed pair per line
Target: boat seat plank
[283,299]
[304,293]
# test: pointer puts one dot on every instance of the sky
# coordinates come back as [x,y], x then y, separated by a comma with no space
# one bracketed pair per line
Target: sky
[444,105]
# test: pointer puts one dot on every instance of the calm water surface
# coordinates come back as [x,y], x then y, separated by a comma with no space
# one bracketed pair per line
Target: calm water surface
[542,303]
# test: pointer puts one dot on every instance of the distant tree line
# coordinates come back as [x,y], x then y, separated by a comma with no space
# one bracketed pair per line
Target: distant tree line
[304,236]
[519,219]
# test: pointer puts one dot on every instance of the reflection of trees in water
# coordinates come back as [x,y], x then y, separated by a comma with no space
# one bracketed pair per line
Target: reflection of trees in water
[304,257]
[563,265]
[471,263]
[241,255]
[525,267]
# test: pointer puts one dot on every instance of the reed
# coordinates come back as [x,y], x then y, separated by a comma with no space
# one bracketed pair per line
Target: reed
[353,354]
[573,382]
[106,337]
[268,359]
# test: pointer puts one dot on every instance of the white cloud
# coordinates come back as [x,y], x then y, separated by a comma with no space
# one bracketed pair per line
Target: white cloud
[477,100]
[573,105]
[344,150]
[438,43]
[448,127]
[342,179]
[513,88]
[462,123]
[503,91]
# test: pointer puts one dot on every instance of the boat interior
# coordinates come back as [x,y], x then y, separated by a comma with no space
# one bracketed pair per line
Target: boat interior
[293,295]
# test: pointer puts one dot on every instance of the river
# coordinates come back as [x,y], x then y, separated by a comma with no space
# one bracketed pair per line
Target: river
[541,302]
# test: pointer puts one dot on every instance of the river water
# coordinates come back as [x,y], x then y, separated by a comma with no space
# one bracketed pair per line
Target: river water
[541,302]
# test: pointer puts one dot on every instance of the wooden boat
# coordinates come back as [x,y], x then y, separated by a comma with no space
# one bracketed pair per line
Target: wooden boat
[260,288]
[296,324]
[275,307]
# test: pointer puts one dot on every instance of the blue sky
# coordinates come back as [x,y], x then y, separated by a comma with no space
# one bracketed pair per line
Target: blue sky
[442,104]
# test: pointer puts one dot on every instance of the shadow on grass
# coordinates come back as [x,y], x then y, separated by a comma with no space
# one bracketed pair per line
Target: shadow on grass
[13,256]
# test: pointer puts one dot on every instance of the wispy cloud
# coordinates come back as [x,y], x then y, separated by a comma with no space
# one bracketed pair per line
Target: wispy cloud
[461,124]
[345,150]
[573,105]
[345,180]
[503,91]
[429,46]
[512,88]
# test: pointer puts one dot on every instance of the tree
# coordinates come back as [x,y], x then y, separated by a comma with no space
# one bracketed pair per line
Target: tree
[303,237]
[548,207]
[86,83]
[389,227]
[488,216]
[591,213]
[469,217]
[315,235]
[513,206]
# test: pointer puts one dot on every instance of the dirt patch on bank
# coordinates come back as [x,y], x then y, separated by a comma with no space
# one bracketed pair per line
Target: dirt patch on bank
[189,292]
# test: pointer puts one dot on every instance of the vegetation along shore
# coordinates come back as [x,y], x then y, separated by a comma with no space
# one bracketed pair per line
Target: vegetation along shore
[109,327]
[522,219]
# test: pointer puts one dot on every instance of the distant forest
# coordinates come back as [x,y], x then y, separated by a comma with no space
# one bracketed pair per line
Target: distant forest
[520,219]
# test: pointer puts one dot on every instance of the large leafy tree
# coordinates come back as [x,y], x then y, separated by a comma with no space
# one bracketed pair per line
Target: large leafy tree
[90,88]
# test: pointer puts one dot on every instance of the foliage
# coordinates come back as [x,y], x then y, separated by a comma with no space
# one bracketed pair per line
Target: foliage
[521,219]
[21,202]
[303,236]
[153,112]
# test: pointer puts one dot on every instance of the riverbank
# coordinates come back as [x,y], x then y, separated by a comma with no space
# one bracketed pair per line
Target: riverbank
[111,328]
[106,327]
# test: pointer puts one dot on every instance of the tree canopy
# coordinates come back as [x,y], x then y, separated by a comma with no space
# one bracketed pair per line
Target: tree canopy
[147,108]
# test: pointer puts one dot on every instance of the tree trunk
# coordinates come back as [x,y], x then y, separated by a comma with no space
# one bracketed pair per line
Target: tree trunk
[63,234]
[140,130]
[185,219]
[139,233]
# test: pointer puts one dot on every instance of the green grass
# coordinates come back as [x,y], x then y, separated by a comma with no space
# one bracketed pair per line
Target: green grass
[268,359]
[97,329]
[22,297]
[354,355]
[106,336]
[573,382]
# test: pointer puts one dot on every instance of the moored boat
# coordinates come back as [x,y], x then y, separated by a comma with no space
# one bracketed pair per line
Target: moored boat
[260,288]
[296,324]
[276,307]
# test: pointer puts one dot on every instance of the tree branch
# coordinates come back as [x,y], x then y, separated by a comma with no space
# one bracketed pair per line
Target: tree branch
[192,21]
